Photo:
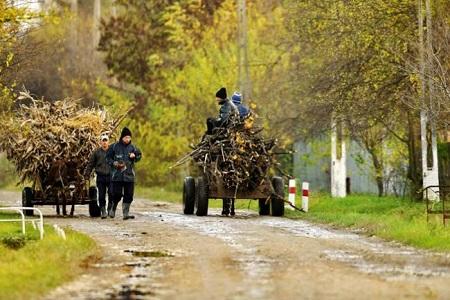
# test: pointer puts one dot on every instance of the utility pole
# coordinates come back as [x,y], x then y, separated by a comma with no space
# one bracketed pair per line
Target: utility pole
[243,68]
[113,9]
[48,4]
[73,44]
[96,29]
[430,172]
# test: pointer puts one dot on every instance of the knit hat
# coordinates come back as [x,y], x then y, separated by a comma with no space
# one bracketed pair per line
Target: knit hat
[236,98]
[104,137]
[125,132]
[222,93]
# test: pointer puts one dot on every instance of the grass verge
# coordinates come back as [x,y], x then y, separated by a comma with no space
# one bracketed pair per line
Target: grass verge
[388,217]
[36,266]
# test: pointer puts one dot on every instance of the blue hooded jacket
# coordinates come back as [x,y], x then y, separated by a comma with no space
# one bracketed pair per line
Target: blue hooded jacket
[243,110]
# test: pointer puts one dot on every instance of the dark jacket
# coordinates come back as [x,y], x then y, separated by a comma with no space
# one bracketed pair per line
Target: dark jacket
[97,161]
[120,153]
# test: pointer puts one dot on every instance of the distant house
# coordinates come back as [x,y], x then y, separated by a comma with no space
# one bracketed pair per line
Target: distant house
[312,163]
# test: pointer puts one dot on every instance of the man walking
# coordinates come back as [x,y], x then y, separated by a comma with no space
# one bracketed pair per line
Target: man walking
[122,156]
[97,161]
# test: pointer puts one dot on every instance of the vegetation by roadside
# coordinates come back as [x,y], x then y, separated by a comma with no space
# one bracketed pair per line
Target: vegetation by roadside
[390,218]
[30,267]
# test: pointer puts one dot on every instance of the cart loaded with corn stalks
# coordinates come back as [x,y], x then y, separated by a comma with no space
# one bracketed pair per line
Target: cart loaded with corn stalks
[234,163]
[50,143]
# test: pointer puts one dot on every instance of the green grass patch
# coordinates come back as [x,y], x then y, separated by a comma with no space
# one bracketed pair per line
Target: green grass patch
[387,217]
[159,194]
[36,266]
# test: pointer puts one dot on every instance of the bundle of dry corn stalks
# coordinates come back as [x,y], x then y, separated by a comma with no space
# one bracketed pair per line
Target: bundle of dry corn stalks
[237,154]
[41,132]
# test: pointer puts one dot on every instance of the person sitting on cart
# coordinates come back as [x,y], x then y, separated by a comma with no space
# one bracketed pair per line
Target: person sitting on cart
[97,161]
[243,110]
[225,111]
[122,156]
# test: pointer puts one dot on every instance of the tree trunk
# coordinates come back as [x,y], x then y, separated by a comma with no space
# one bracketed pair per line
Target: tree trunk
[414,169]
[379,170]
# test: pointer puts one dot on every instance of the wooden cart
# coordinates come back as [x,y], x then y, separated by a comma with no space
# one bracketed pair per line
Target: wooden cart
[62,192]
[198,191]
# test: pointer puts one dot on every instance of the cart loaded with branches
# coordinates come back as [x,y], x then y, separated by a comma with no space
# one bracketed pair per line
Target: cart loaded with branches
[50,143]
[234,163]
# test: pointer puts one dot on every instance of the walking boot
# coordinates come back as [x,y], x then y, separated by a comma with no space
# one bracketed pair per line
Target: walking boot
[126,211]
[103,212]
[232,213]
[109,206]
[112,211]
[225,207]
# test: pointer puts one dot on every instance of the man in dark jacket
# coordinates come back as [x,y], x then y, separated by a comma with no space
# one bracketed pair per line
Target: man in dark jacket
[97,161]
[226,108]
[122,156]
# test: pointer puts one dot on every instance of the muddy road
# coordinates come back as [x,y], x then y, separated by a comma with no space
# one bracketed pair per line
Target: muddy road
[163,254]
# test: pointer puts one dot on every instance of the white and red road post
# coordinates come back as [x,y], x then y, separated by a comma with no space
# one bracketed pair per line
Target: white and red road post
[292,192]
[305,196]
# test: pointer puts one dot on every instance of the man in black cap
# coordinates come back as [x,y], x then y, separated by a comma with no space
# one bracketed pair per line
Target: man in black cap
[97,161]
[226,109]
[122,156]
[224,113]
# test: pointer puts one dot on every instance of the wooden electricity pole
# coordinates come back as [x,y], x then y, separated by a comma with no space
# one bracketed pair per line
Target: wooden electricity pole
[73,44]
[113,9]
[48,4]
[242,40]
[96,25]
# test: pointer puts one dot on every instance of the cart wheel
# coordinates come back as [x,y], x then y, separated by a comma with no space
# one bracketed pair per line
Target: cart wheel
[264,209]
[277,202]
[201,197]
[188,195]
[27,200]
[94,209]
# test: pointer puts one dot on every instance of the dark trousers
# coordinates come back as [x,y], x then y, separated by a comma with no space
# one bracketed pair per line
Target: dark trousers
[103,186]
[212,123]
[122,188]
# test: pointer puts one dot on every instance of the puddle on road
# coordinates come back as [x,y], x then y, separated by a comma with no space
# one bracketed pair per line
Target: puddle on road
[145,253]
[131,292]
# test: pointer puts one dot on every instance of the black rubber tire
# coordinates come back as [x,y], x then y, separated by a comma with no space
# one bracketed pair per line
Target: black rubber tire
[277,203]
[188,195]
[264,209]
[94,209]
[201,197]
[27,200]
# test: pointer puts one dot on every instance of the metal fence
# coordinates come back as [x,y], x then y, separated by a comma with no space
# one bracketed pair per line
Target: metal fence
[38,223]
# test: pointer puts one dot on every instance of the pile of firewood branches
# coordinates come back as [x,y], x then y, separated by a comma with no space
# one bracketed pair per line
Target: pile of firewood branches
[41,132]
[237,154]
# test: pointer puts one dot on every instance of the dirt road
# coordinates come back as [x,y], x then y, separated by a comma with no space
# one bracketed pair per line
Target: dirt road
[163,254]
